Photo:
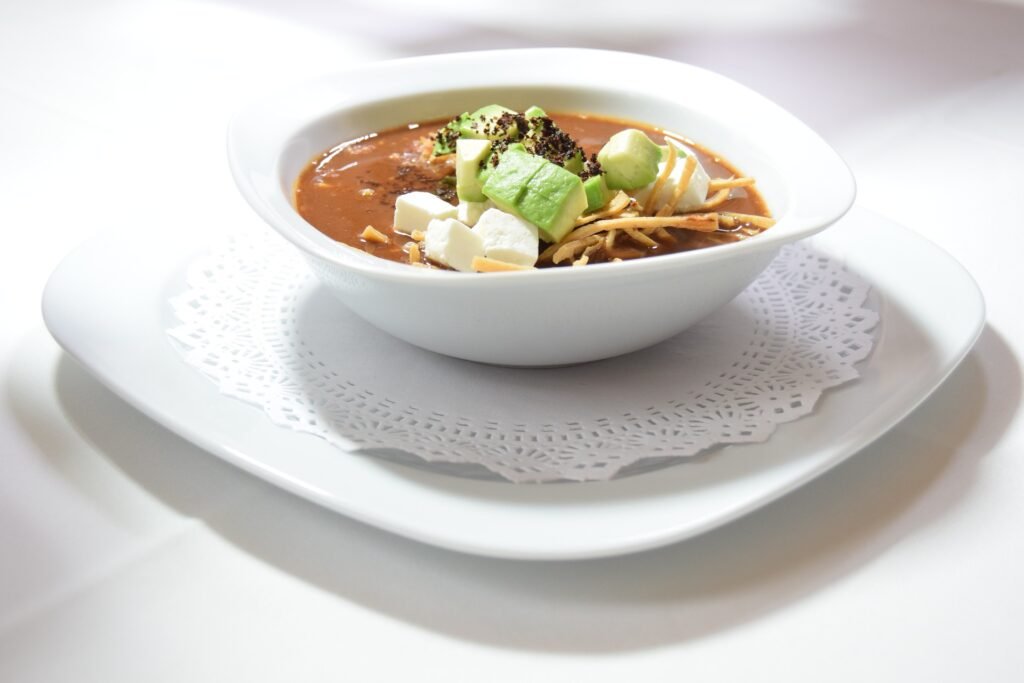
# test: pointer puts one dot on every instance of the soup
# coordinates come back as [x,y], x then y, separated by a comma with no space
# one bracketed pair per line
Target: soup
[349,193]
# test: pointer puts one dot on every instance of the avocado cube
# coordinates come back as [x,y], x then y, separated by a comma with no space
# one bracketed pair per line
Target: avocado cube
[506,182]
[575,163]
[483,174]
[597,191]
[445,138]
[469,155]
[534,112]
[480,124]
[553,200]
[629,160]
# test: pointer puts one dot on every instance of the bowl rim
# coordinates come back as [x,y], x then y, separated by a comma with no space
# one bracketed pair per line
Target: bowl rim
[259,132]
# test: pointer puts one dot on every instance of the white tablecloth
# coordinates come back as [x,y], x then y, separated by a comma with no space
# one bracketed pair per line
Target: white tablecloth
[127,554]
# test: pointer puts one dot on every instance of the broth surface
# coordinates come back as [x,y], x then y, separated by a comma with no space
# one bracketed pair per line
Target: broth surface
[355,184]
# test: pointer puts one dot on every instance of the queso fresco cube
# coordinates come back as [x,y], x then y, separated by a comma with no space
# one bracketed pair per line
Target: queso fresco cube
[452,243]
[507,238]
[415,210]
[470,212]
[696,192]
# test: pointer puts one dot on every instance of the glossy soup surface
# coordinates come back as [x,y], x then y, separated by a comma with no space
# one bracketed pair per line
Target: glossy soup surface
[355,184]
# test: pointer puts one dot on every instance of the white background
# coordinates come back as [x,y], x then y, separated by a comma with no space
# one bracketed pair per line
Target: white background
[128,554]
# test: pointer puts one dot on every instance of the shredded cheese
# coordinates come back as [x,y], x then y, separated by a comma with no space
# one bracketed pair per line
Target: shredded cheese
[414,253]
[482,264]
[372,234]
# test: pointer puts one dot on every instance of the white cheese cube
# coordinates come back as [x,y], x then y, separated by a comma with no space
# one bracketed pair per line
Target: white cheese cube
[452,243]
[415,210]
[507,237]
[696,192]
[470,212]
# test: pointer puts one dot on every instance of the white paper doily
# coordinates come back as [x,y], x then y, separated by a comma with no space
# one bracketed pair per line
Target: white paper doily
[255,321]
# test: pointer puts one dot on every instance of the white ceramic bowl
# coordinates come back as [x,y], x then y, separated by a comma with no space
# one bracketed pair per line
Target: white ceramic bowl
[559,315]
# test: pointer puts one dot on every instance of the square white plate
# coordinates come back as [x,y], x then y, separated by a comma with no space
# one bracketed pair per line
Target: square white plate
[107,305]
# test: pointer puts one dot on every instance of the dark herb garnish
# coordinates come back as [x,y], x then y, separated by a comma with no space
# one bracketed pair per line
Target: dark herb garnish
[539,134]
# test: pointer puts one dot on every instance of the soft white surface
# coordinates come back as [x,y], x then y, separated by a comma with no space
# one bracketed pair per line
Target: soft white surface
[696,190]
[508,238]
[261,327]
[470,212]
[452,243]
[129,555]
[416,210]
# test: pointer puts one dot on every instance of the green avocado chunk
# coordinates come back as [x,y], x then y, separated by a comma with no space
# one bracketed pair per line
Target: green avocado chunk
[506,182]
[481,124]
[540,192]
[629,160]
[469,155]
[445,138]
[534,112]
[597,191]
[575,163]
[553,200]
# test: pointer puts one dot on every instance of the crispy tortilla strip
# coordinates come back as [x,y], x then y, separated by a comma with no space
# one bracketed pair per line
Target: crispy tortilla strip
[548,253]
[715,199]
[617,205]
[568,251]
[593,247]
[591,233]
[609,239]
[584,259]
[640,237]
[585,231]
[684,182]
[717,184]
[663,234]
[372,234]
[572,249]
[763,222]
[482,264]
[701,222]
[670,164]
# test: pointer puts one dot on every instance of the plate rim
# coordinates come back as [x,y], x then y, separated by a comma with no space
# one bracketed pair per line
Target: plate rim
[66,281]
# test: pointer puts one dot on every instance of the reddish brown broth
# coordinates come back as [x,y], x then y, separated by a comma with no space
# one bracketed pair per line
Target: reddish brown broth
[355,184]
